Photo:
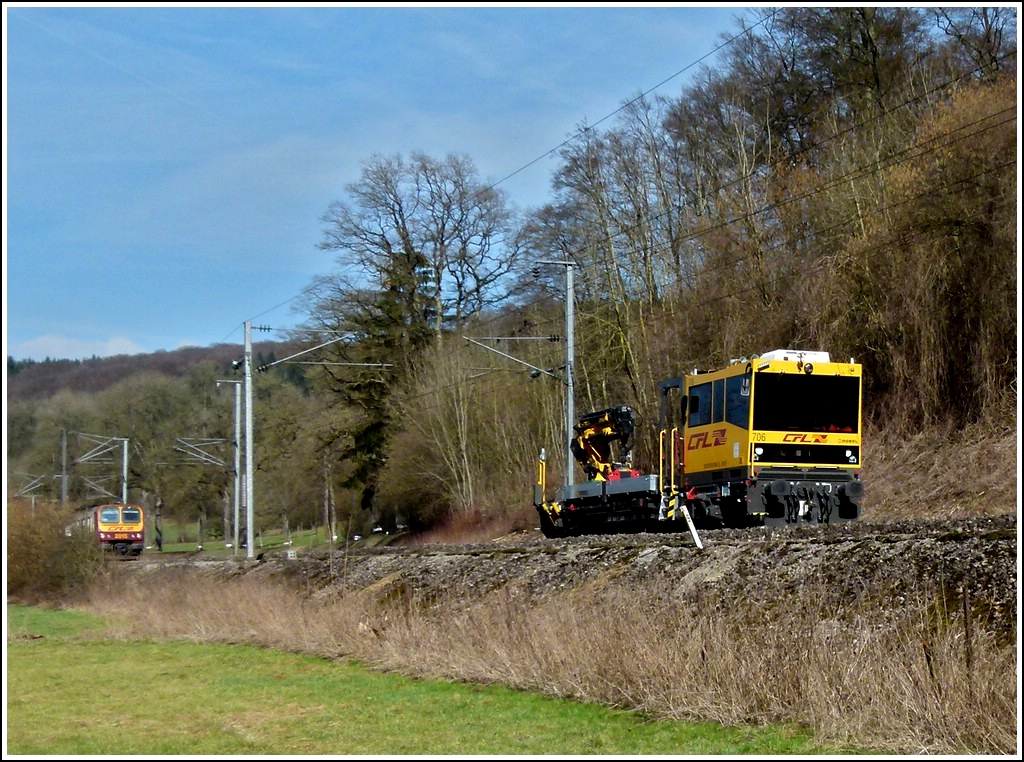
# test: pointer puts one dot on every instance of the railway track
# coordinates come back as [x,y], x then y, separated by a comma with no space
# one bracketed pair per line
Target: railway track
[993,528]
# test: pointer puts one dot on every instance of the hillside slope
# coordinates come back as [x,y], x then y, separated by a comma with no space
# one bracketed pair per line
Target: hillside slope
[31,381]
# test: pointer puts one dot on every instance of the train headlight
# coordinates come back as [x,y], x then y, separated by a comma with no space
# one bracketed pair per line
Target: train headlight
[808,369]
[760,451]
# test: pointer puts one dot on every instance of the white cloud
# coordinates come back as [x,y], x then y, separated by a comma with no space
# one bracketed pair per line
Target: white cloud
[65,348]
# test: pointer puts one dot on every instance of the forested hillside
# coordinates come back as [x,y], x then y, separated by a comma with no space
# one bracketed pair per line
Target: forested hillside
[842,179]
[33,380]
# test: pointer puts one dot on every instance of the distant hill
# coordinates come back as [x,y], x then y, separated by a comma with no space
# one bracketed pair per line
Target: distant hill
[30,380]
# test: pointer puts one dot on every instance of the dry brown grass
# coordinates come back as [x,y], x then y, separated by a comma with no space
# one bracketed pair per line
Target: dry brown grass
[940,473]
[475,528]
[916,680]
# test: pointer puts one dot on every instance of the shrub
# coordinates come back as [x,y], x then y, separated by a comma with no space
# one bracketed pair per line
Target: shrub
[44,563]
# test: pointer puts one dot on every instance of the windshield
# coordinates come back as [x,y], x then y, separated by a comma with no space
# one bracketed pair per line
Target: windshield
[131,515]
[792,402]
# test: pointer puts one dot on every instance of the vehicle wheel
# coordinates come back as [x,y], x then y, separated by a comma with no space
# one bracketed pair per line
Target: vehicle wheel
[547,526]
[700,515]
[734,513]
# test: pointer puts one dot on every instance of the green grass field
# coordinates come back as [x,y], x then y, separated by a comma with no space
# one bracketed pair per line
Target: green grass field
[118,697]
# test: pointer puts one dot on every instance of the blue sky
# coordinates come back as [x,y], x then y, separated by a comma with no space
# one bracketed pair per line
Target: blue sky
[165,168]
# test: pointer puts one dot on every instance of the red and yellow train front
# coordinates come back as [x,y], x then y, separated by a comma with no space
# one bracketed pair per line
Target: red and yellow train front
[120,528]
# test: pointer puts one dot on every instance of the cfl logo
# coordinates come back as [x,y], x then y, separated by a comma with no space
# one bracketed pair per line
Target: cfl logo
[704,439]
[806,438]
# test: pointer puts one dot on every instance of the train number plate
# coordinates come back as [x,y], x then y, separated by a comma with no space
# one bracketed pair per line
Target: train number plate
[120,535]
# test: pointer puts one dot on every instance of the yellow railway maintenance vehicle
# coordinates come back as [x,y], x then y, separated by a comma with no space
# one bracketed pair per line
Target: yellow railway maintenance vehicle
[773,439]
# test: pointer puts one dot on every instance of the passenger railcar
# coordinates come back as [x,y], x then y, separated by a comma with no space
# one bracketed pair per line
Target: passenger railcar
[118,527]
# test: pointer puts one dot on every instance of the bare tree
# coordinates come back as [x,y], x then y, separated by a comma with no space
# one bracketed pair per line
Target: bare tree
[427,230]
[983,39]
[421,246]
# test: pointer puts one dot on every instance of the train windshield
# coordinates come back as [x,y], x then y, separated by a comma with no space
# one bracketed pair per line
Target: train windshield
[800,402]
[110,515]
[131,515]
